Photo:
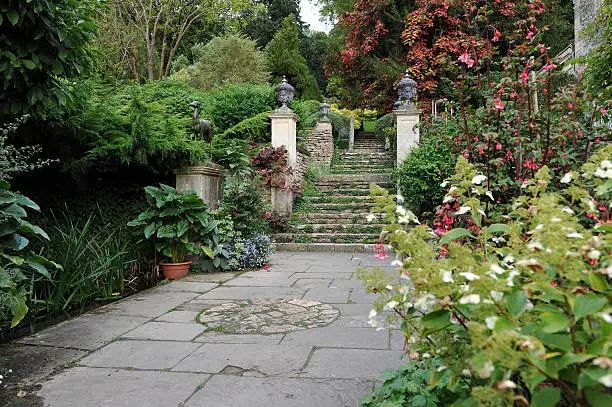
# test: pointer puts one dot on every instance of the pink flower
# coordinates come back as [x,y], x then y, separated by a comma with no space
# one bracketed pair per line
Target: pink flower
[481,149]
[465,58]
[603,111]
[498,104]
[498,146]
[549,66]
[529,35]
[524,76]
[381,255]
[496,36]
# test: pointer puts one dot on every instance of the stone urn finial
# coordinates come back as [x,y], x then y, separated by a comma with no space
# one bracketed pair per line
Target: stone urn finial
[324,109]
[406,91]
[284,94]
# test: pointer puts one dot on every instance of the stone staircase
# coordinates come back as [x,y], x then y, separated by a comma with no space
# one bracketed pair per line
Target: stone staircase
[335,215]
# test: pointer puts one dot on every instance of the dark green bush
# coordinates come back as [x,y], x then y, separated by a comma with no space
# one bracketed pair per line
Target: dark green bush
[229,105]
[420,176]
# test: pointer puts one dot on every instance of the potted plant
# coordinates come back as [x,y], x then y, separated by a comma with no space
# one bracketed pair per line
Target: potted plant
[176,220]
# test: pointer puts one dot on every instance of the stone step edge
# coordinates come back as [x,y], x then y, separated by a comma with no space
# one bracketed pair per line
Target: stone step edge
[328,247]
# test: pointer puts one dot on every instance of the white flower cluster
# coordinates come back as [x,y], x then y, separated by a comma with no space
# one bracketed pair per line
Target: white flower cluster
[605,170]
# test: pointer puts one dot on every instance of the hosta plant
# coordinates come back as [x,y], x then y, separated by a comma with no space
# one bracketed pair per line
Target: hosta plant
[20,268]
[519,310]
[178,221]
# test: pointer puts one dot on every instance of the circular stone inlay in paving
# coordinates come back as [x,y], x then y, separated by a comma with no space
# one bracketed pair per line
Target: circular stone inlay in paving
[267,316]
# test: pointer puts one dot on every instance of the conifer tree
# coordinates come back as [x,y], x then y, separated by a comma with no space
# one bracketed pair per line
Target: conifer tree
[283,57]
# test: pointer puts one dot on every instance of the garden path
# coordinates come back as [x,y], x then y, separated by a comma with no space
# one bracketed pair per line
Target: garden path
[149,349]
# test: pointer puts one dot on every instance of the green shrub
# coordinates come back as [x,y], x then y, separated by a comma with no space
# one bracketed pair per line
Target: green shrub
[231,59]
[411,385]
[255,129]
[341,126]
[420,176]
[243,201]
[229,105]
[518,310]
[384,122]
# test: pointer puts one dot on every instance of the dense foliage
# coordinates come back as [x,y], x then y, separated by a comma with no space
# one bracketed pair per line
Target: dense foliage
[232,59]
[42,43]
[420,176]
[518,310]
[284,58]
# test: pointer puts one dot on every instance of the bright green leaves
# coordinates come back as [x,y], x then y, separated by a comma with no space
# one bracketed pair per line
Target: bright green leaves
[516,302]
[546,397]
[436,320]
[587,304]
[14,260]
[177,221]
[455,234]
[552,322]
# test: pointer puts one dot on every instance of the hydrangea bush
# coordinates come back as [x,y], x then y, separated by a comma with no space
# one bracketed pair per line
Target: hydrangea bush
[249,253]
[519,310]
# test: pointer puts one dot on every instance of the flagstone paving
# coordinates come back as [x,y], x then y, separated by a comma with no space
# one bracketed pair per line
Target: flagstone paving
[292,335]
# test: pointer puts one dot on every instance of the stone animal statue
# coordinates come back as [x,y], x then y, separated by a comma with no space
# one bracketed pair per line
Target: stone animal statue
[202,128]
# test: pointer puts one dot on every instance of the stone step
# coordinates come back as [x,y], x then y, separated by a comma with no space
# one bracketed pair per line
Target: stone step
[355,178]
[339,198]
[337,218]
[342,192]
[372,171]
[335,207]
[338,227]
[326,237]
[358,165]
[328,247]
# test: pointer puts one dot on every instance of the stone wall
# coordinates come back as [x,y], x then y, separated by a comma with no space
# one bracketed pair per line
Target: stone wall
[320,144]
[303,159]
[585,12]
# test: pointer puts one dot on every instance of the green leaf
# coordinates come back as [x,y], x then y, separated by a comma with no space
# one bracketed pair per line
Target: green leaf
[598,282]
[436,320]
[27,202]
[546,397]
[28,64]
[19,311]
[598,397]
[14,241]
[552,322]
[8,227]
[15,210]
[604,227]
[497,228]
[587,304]
[502,324]
[40,269]
[516,301]
[28,227]
[208,251]
[166,231]
[454,235]
[13,16]
[150,229]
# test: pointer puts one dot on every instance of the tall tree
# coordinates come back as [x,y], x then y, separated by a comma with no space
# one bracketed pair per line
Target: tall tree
[42,42]
[266,18]
[161,25]
[283,57]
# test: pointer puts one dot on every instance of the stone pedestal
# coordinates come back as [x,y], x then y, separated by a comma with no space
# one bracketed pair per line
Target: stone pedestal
[205,179]
[407,132]
[282,200]
[284,133]
[352,133]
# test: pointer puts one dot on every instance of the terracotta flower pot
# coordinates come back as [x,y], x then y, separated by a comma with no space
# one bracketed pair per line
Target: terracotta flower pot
[174,271]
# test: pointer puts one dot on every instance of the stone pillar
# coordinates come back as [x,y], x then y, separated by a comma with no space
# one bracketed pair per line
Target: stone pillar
[407,132]
[407,116]
[352,133]
[284,133]
[205,179]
